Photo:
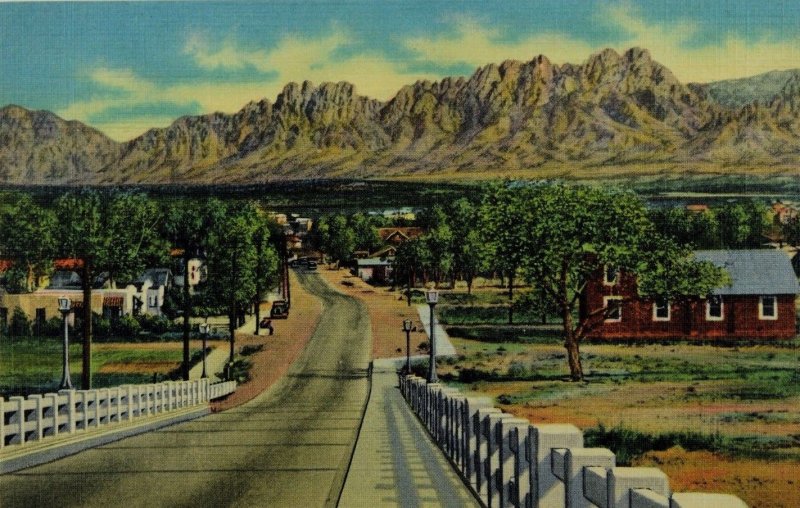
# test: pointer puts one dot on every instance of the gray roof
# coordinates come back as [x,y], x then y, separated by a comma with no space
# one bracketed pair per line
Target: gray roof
[754,272]
[157,276]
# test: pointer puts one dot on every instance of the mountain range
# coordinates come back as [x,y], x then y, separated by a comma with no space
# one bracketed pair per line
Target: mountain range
[612,111]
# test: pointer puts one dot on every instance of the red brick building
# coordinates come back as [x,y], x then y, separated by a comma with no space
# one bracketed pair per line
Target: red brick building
[759,302]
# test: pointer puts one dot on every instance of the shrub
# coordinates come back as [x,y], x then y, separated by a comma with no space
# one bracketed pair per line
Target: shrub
[126,327]
[20,325]
[628,444]
[155,324]
[53,327]
[517,370]
[101,327]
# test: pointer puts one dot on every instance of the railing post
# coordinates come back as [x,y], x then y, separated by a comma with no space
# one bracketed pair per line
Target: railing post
[39,417]
[546,488]
[51,411]
[2,423]
[18,417]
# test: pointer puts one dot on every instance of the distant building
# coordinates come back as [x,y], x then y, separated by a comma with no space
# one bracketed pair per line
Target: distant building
[374,269]
[759,303]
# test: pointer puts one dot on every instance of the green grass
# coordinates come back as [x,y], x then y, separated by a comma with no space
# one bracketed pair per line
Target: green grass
[484,315]
[628,444]
[33,365]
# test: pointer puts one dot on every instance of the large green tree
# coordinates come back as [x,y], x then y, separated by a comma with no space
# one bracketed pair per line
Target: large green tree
[505,218]
[336,237]
[188,225]
[471,253]
[102,229]
[573,233]
[232,260]
[28,240]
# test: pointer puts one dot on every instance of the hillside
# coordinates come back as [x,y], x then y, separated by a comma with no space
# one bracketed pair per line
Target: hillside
[611,113]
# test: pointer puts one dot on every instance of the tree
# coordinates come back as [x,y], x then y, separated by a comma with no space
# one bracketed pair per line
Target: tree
[232,260]
[364,232]
[83,235]
[410,259]
[576,232]
[337,238]
[28,241]
[791,231]
[504,218]
[470,251]
[742,224]
[133,220]
[266,266]
[438,242]
[698,229]
[188,225]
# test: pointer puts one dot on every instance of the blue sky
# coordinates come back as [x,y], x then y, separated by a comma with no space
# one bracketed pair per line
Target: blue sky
[125,67]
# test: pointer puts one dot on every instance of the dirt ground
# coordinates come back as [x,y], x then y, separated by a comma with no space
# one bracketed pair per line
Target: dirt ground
[280,350]
[387,310]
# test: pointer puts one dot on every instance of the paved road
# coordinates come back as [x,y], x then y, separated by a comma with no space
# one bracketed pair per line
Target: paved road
[288,447]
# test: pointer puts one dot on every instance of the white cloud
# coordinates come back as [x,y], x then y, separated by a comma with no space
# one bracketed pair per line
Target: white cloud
[669,43]
[474,44]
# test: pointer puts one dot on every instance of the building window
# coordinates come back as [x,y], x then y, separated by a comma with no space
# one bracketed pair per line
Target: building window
[613,306]
[661,311]
[152,301]
[768,307]
[610,275]
[714,308]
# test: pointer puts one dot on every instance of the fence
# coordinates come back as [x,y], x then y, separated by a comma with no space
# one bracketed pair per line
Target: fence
[68,411]
[508,461]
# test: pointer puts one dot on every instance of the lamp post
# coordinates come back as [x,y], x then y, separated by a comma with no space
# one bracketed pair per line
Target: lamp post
[407,328]
[204,327]
[432,296]
[64,306]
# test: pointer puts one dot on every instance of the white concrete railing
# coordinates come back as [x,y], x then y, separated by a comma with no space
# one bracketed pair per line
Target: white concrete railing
[508,461]
[41,416]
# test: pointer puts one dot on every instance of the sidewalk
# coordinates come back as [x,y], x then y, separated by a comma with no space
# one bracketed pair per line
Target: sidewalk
[395,462]
[443,345]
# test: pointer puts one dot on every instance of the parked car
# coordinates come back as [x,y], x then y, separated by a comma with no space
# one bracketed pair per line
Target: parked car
[280,310]
[311,265]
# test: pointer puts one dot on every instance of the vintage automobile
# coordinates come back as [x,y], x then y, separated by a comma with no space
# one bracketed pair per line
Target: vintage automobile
[280,310]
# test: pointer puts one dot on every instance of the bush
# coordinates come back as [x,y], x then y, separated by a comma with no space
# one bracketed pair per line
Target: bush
[629,444]
[53,327]
[20,325]
[126,327]
[156,324]
[101,327]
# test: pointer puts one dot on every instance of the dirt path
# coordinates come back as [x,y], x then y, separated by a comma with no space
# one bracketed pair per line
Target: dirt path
[386,312]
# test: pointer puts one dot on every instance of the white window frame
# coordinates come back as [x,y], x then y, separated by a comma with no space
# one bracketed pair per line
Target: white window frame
[721,316]
[761,314]
[606,299]
[606,281]
[656,317]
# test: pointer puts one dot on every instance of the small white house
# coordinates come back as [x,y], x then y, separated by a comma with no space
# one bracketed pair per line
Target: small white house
[150,289]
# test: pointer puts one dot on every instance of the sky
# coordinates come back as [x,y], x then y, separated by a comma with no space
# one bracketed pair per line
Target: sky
[124,67]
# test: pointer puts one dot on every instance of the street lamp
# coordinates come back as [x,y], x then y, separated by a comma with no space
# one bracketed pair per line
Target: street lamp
[64,306]
[432,296]
[407,328]
[204,327]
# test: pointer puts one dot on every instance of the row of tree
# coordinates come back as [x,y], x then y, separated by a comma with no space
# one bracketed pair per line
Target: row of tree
[556,238]
[122,233]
